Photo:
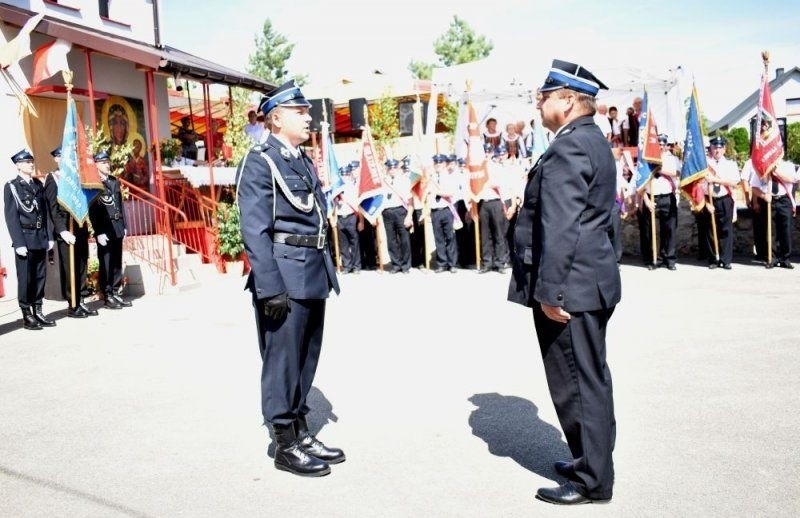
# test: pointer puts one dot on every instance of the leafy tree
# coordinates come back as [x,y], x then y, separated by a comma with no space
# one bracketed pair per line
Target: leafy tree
[272,52]
[741,140]
[793,142]
[384,121]
[460,44]
[420,69]
[235,136]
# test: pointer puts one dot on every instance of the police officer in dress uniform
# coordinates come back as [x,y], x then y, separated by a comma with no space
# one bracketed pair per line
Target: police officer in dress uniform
[107,215]
[664,183]
[493,222]
[396,216]
[417,225]
[78,239]
[777,187]
[284,227]
[349,222]
[30,229]
[723,177]
[465,236]
[441,188]
[565,269]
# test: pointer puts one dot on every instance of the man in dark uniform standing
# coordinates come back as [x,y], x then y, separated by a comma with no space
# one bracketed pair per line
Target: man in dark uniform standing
[566,270]
[108,221]
[78,238]
[30,230]
[284,228]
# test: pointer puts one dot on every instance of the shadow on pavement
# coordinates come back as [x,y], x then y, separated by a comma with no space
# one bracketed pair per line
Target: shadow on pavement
[61,488]
[511,427]
[321,414]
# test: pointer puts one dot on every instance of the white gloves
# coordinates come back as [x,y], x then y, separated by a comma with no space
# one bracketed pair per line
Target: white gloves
[67,236]
[22,251]
[102,239]
[50,245]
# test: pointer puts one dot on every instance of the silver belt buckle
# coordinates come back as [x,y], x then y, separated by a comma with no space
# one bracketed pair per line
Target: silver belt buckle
[38,223]
[320,242]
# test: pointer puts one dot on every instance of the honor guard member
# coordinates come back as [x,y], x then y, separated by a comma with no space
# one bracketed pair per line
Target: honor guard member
[493,222]
[284,227]
[723,177]
[31,231]
[366,232]
[397,216]
[349,223]
[78,238]
[565,269]
[107,215]
[666,209]
[417,225]
[777,187]
[441,188]
[465,242]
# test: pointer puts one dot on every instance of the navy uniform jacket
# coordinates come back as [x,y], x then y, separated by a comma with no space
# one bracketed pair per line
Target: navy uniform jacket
[563,254]
[28,223]
[107,213]
[303,272]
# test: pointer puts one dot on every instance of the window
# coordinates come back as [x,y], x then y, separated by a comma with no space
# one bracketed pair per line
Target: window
[104,8]
[793,106]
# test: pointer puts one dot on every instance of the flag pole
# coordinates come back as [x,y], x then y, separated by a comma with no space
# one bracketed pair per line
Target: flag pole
[652,219]
[474,210]
[714,226]
[765,58]
[67,76]
[379,219]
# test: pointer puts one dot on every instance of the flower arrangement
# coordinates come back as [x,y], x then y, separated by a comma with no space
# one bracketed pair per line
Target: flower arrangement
[92,275]
[229,237]
[170,149]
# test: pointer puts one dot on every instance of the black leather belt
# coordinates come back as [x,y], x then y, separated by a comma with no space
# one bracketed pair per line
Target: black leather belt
[315,241]
[27,226]
[662,195]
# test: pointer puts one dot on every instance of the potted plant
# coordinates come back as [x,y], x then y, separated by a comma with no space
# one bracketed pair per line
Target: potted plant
[170,148]
[229,236]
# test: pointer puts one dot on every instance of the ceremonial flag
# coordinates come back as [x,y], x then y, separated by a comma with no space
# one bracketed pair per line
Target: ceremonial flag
[50,59]
[767,144]
[370,192]
[333,184]
[695,165]
[20,45]
[71,195]
[539,142]
[648,148]
[476,157]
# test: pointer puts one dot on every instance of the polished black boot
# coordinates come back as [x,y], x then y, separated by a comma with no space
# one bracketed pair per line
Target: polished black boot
[76,312]
[111,302]
[86,309]
[38,315]
[29,321]
[314,446]
[121,301]
[289,456]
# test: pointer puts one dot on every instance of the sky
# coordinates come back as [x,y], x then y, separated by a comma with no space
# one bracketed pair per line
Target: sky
[719,42]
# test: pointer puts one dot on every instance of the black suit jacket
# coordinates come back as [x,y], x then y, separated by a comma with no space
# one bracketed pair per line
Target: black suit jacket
[107,213]
[26,210]
[563,254]
[303,272]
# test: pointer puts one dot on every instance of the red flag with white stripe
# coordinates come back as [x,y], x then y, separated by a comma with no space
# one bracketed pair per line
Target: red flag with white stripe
[49,60]
[767,144]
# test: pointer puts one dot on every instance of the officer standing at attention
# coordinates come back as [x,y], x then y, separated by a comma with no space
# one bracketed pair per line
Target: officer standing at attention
[397,217]
[723,177]
[666,209]
[349,223]
[776,188]
[78,238]
[441,188]
[107,215]
[566,270]
[284,227]
[30,229]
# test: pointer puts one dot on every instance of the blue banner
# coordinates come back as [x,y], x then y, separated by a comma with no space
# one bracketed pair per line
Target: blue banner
[695,164]
[643,169]
[74,198]
[336,183]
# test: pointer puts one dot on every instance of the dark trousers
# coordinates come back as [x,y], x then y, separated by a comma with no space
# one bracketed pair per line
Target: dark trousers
[81,259]
[349,251]
[109,272]
[494,252]
[510,224]
[465,236]
[781,228]
[367,245]
[615,234]
[723,217]
[701,219]
[443,234]
[289,352]
[31,274]
[398,240]
[667,215]
[417,240]
[574,356]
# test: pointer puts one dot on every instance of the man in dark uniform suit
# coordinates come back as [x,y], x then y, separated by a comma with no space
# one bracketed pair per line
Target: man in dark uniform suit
[108,221]
[30,230]
[564,267]
[77,237]
[284,228]
[396,216]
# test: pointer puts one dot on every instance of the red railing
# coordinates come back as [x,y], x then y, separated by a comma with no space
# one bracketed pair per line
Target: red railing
[199,232]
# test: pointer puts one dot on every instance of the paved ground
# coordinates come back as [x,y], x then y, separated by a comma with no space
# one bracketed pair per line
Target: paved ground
[433,386]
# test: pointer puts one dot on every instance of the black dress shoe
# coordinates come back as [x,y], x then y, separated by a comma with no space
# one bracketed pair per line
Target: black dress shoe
[111,303]
[483,269]
[121,301]
[86,309]
[314,446]
[671,267]
[565,494]
[77,312]
[768,266]
[564,468]
[786,264]
[651,267]
[438,269]
[43,320]
[291,457]
[727,266]
[453,269]
[712,266]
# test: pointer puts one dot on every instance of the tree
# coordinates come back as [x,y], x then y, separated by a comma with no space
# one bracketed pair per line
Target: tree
[741,140]
[384,121]
[448,116]
[420,69]
[793,142]
[272,52]
[459,44]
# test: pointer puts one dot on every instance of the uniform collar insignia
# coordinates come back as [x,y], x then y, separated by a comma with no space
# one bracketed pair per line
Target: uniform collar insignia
[285,153]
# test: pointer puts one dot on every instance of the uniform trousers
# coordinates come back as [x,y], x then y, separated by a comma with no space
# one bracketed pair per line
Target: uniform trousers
[723,217]
[290,351]
[494,252]
[781,228]
[31,274]
[702,219]
[81,259]
[443,234]
[667,215]
[574,356]
[398,240]
[349,249]
[465,236]
[509,226]
[109,272]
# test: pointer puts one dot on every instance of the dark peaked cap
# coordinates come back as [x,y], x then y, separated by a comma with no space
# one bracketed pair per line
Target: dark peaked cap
[564,74]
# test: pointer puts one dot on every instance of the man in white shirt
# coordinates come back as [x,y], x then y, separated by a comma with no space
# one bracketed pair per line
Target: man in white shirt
[723,176]
[397,216]
[777,188]
[601,119]
[443,188]
[254,128]
[663,186]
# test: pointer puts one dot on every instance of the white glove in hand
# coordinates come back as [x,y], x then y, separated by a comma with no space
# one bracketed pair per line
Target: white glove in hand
[22,251]
[67,236]
[102,240]
[50,245]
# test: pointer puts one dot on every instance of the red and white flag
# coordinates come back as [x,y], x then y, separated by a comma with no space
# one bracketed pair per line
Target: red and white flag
[476,157]
[50,59]
[767,144]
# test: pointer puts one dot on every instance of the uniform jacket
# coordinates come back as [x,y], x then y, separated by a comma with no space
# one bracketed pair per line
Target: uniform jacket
[107,213]
[30,212]
[303,272]
[563,254]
